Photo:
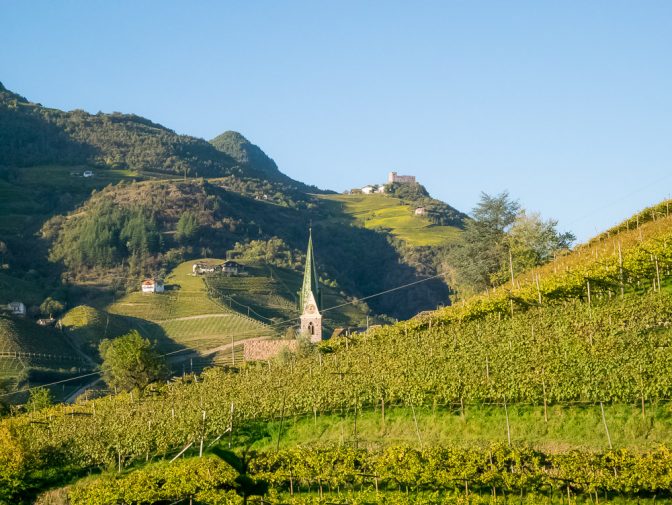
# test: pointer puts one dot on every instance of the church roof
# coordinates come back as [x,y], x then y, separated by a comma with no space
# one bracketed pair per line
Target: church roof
[310,278]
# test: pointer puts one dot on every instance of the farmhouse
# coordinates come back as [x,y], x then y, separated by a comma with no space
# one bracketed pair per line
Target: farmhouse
[203,268]
[232,268]
[152,286]
[368,190]
[421,211]
[17,308]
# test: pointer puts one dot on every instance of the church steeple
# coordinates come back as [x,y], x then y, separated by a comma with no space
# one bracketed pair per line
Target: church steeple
[310,278]
[310,298]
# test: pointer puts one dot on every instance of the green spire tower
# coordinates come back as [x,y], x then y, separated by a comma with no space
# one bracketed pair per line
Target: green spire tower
[310,297]
[310,278]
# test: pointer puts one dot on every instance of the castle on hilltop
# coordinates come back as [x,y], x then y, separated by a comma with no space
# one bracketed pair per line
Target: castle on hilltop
[392,177]
[310,298]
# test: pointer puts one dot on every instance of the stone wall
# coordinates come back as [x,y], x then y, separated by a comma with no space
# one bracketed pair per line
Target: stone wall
[260,350]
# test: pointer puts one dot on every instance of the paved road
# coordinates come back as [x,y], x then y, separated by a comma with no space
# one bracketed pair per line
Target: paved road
[72,397]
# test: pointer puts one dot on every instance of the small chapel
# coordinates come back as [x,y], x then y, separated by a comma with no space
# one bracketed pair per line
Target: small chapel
[310,298]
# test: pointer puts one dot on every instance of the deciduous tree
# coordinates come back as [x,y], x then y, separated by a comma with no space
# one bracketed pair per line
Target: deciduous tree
[130,361]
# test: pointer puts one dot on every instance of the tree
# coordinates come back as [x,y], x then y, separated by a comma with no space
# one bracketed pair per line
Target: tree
[50,307]
[482,250]
[187,227]
[501,237]
[40,398]
[131,361]
[533,241]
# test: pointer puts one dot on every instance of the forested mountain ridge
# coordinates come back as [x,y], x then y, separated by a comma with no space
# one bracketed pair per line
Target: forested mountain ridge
[31,134]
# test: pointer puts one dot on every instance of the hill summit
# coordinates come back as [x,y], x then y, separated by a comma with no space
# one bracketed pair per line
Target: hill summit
[243,151]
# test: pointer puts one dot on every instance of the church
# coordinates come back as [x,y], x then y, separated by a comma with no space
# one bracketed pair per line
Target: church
[310,298]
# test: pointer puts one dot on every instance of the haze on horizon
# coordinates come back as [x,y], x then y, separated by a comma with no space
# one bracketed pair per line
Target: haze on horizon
[566,105]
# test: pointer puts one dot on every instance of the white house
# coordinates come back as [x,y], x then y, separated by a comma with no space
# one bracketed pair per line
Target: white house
[203,268]
[17,308]
[152,286]
[367,190]
[420,211]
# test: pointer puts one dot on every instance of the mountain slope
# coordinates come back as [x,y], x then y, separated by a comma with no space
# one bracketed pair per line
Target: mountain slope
[254,161]
[393,215]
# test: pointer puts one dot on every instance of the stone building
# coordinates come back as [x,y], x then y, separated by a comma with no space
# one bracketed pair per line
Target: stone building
[310,298]
[392,177]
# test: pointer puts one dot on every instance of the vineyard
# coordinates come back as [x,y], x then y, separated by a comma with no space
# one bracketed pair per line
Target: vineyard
[381,211]
[395,475]
[591,330]
[185,317]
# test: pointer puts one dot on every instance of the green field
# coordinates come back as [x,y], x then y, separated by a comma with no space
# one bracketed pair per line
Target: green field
[34,354]
[184,316]
[24,335]
[387,212]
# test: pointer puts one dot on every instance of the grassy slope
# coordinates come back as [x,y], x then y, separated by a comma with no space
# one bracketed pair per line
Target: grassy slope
[40,348]
[567,428]
[88,326]
[381,211]
[185,317]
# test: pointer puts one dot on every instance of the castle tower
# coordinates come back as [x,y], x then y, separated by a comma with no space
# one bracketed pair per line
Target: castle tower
[310,299]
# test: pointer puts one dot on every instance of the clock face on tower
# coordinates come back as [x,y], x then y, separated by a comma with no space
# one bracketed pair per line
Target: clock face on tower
[311,309]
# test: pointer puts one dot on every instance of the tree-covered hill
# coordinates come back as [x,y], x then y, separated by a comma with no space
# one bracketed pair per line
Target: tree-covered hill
[131,230]
[31,134]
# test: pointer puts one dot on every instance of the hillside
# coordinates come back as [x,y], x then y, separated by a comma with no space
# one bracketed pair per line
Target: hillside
[244,198]
[185,317]
[32,134]
[254,162]
[33,354]
[270,293]
[392,214]
[543,366]
[153,209]
[156,199]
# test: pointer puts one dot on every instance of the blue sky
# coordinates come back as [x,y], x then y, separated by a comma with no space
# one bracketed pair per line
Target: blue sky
[567,105]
